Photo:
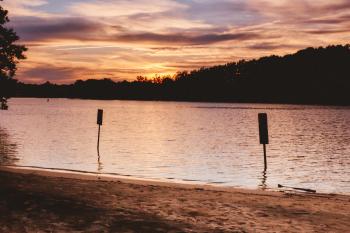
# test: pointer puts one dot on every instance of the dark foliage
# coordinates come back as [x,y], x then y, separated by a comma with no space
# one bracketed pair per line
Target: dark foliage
[310,76]
[10,53]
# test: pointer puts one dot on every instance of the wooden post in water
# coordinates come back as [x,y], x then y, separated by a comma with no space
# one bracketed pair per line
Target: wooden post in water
[264,134]
[265,160]
[99,122]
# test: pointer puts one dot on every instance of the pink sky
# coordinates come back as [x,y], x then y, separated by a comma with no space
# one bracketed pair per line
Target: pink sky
[120,39]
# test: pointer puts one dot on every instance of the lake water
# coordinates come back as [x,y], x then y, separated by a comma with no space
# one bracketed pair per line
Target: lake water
[214,143]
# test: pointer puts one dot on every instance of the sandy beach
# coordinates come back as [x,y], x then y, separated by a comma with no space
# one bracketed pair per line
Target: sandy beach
[41,201]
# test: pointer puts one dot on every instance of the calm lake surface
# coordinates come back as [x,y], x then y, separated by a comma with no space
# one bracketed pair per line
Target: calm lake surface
[214,143]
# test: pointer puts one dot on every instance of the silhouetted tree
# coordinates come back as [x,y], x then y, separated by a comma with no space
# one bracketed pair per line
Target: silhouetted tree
[309,76]
[10,54]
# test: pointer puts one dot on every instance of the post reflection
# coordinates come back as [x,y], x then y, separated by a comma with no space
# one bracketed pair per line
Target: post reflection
[263,179]
[99,163]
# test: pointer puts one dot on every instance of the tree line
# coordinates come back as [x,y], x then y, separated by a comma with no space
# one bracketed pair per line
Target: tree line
[309,76]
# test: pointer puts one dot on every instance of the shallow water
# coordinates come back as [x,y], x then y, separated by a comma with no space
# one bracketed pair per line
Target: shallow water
[205,142]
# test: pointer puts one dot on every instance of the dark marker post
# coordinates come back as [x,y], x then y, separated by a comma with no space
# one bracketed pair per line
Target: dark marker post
[99,122]
[264,134]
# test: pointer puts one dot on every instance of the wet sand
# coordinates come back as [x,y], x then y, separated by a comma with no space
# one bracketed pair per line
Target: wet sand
[41,201]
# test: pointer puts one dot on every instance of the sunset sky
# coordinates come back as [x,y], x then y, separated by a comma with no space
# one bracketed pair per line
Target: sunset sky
[120,39]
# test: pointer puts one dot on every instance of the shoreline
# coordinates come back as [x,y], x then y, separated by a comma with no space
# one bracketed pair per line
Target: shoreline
[113,177]
[108,177]
[32,201]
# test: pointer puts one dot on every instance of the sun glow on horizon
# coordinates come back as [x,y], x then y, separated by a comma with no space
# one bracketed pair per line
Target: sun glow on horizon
[70,40]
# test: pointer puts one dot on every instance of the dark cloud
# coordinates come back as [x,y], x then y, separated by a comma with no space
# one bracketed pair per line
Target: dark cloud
[39,29]
[323,21]
[185,39]
[119,28]
[327,31]
[59,74]
[332,7]
[166,48]
[45,72]
[272,46]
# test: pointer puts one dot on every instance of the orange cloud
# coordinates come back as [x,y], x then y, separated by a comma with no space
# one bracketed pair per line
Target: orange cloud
[79,39]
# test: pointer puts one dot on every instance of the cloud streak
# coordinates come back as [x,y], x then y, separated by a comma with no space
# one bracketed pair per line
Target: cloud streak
[41,29]
[186,39]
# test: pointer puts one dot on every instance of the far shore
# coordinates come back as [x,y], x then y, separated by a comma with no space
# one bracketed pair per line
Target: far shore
[282,103]
[39,201]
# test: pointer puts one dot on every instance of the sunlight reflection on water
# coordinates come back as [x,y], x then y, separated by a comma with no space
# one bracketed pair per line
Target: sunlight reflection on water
[207,142]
